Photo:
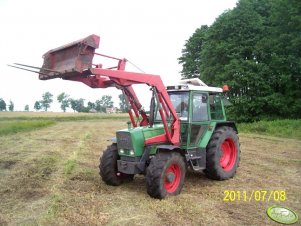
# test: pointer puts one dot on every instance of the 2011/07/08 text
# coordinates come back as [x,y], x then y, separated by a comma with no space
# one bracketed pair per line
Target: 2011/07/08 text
[254,195]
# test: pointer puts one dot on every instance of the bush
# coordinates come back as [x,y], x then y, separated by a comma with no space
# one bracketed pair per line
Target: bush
[288,128]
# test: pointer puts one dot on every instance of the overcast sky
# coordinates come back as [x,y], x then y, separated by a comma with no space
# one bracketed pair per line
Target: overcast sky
[151,34]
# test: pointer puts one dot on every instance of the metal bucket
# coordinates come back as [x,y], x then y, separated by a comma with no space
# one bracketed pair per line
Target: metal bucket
[70,60]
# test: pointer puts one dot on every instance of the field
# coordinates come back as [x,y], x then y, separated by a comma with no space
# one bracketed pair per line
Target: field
[49,176]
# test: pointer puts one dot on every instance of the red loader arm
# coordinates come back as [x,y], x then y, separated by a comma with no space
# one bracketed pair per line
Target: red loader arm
[74,62]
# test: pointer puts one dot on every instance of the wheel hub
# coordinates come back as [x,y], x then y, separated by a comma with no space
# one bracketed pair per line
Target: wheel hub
[170,177]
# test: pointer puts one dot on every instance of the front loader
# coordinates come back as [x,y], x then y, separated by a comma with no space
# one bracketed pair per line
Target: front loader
[185,128]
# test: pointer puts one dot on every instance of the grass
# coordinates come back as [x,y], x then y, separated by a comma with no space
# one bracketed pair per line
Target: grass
[50,177]
[13,122]
[54,206]
[279,128]
[69,166]
[59,116]
[14,126]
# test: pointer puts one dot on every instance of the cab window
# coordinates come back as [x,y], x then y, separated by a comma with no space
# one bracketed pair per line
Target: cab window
[200,107]
[216,107]
[180,102]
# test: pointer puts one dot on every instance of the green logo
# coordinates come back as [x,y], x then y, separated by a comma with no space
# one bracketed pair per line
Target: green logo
[282,215]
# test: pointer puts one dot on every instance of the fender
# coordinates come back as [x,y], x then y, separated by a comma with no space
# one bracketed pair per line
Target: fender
[227,123]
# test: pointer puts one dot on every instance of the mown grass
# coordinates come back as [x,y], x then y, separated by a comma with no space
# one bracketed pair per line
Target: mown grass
[14,126]
[54,205]
[69,166]
[40,185]
[287,128]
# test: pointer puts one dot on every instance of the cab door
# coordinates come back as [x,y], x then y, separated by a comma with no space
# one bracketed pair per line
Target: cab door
[199,117]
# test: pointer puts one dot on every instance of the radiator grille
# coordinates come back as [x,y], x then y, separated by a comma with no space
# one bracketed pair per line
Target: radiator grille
[124,140]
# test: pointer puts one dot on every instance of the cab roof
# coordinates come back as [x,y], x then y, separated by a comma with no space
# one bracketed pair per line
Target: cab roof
[193,84]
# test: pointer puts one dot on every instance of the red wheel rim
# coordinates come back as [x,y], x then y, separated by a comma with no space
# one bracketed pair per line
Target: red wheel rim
[228,157]
[172,178]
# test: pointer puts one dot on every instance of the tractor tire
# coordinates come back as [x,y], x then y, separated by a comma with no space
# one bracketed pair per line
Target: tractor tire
[223,154]
[108,167]
[165,175]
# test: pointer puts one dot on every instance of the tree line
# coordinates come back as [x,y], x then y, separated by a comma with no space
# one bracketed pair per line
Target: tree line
[77,105]
[254,48]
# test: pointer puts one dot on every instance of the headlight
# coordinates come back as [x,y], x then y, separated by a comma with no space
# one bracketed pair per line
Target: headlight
[132,152]
[121,151]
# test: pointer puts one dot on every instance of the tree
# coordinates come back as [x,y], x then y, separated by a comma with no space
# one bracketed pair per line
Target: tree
[26,108]
[282,54]
[78,105]
[2,105]
[191,58]
[46,100]
[63,98]
[103,103]
[98,106]
[91,105]
[37,106]
[73,104]
[11,106]
[122,103]
[253,48]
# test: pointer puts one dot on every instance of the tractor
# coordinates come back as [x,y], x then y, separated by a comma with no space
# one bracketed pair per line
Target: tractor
[186,126]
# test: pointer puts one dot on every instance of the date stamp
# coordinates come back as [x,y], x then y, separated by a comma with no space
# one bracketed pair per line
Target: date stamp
[254,195]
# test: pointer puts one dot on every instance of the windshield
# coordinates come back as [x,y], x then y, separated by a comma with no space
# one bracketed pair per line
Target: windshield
[180,102]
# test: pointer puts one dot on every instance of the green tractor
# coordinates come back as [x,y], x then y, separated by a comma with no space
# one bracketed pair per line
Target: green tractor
[208,143]
[186,125]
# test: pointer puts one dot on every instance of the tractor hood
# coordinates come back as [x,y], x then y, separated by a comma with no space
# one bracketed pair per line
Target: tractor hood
[130,142]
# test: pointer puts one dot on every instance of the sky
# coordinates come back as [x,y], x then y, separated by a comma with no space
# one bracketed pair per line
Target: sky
[151,34]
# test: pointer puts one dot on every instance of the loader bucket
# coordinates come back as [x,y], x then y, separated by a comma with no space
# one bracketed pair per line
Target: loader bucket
[69,60]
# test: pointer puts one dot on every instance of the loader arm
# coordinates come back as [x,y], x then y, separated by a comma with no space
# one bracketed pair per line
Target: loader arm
[74,62]
[124,80]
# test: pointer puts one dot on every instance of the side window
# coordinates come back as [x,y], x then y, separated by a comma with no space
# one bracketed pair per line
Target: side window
[200,107]
[216,107]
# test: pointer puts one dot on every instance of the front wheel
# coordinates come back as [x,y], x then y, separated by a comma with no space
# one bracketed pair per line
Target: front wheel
[165,175]
[108,167]
[223,154]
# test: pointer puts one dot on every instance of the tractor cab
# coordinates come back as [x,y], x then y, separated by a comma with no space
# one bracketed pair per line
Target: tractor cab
[197,106]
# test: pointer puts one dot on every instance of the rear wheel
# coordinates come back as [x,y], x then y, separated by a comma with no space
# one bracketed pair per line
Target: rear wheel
[165,175]
[108,167]
[223,154]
